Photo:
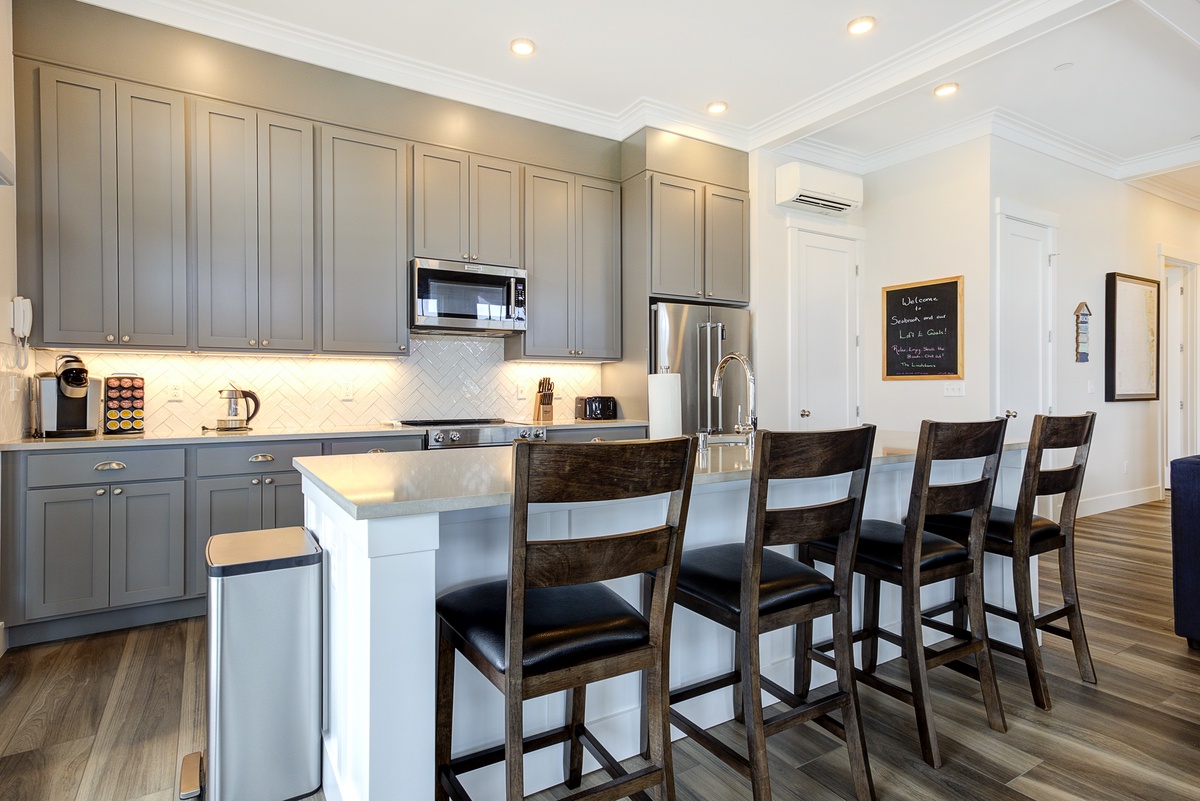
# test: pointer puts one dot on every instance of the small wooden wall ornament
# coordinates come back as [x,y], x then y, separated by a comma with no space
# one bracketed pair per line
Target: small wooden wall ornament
[1082,316]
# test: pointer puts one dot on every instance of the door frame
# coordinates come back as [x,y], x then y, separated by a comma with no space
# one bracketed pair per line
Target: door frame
[1171,257]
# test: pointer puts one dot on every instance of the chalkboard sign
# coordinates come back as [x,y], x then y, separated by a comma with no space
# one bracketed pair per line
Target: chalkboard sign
[923,330]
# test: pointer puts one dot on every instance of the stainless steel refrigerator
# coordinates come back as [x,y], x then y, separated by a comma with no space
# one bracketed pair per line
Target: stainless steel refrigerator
[690,339]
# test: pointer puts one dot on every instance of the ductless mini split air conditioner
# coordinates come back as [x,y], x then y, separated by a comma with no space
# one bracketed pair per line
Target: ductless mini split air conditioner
[808,187]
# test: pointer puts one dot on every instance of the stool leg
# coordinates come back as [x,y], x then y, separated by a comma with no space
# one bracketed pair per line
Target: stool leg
[443,713]
[658,729]
[514,736]
[960,597]
[739,711]
[756,741]
[574,766]
[870,646]
[987,671]
[914,648]
[1026,614]
[856,744]
[1083,655]
[802,680]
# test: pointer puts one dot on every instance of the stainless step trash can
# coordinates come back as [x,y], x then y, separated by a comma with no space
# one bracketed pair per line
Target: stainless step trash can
[264,667]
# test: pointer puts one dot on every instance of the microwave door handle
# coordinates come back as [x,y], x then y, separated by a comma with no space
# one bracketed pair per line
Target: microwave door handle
[512,298]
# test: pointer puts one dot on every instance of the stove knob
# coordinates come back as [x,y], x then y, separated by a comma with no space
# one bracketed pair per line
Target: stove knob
[524,433]
[455,436]
[439,436]
[539,433]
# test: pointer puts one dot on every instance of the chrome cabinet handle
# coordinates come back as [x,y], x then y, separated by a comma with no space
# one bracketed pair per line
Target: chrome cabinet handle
[403,348]
[805,413]
[110,466]
[100,492]
[268,481]
[254,482]
[261,457]
[377,450]
[1010,413]
[118,491]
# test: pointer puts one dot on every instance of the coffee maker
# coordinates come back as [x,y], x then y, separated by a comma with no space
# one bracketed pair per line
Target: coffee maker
[66,403]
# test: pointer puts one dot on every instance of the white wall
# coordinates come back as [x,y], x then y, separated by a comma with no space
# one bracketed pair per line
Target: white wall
[11,410]
[1105,226]
[927,219]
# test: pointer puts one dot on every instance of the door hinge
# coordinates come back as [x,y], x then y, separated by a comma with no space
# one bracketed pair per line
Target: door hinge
[1180,290]
[1049,336]
[1050,410]
[857,413]
[1181,406]
[856,271]
[856,341]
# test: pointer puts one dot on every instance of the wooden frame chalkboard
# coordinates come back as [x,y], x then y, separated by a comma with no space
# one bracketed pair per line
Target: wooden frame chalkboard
[923,330]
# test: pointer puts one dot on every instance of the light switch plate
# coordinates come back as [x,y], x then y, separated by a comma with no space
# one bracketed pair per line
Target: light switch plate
[954,389]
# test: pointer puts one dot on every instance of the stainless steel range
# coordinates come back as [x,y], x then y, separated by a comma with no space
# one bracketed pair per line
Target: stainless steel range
[474,432]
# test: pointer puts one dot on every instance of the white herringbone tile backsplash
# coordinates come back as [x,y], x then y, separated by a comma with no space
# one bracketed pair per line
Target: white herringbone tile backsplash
[444,377]
[14,407]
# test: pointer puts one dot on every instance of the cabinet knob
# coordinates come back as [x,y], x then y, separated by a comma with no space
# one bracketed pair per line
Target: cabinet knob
[805,413]
[125,338]
[698,292]
[268,481]
[466,256]
[710,294]
[265,343]
[579,352]
[474,257]
[403,348]
[253,342]
[100,492]
[1010,414]
[118,491]
[254,482]
[110,338]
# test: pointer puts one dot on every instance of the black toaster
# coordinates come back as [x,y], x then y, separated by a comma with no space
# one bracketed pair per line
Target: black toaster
[596,407]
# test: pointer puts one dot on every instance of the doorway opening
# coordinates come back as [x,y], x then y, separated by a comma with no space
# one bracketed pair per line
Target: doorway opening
[1179,407]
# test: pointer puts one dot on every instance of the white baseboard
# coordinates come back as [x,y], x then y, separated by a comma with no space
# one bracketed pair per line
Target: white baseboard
[1118,500]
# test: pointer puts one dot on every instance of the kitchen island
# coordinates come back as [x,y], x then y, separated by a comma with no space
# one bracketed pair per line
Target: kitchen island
[399,529]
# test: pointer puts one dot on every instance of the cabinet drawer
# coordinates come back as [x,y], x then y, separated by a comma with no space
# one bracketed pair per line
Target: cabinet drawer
[606,433]
[388,444]
[88,467]
[259,457]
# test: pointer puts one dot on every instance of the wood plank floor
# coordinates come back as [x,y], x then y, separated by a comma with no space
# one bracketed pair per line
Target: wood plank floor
[109,717]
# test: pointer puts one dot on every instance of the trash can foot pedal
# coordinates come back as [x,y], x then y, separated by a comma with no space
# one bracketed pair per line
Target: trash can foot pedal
[191,776]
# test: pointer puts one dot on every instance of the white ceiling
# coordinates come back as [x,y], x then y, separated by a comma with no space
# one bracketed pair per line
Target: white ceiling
[795,81]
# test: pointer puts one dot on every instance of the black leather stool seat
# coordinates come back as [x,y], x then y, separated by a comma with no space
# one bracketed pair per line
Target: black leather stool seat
[881,545]
[564,626]
[714,574]
[999,531]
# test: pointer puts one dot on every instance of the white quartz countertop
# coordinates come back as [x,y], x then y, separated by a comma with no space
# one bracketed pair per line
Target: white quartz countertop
[378,485]
[256,434]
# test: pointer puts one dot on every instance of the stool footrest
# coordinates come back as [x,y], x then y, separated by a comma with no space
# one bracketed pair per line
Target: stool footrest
[1059,630]
[631,785]
[1000,611]
[490,756]
[1044,619]
[711,744]
[614,769]
[793,717]
[704,687]
[941,609]
[885,687]
[780,692]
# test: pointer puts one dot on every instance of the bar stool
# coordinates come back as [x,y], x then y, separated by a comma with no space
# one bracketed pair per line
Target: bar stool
[553,626]
[908,555]
[752,590]
[1021,534]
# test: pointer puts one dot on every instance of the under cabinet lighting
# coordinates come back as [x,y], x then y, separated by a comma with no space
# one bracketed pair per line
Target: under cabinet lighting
[857,27]
[946,89]
[522,47]
[718,107]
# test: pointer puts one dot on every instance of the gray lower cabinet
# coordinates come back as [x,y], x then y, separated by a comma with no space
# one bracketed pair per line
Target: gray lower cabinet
[113,212]
[254,229]
[608,433]
[364,242]
[699,240]
[466,207]
[572,253]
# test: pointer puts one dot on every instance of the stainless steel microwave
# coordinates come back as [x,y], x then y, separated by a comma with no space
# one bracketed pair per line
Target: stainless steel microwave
[481,299]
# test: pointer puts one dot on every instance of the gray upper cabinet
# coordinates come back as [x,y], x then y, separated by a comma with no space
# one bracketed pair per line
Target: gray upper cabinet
[466,207]
[254,229]
[572,253]
[726,244]
[114,199]
[700,240]
[364,242]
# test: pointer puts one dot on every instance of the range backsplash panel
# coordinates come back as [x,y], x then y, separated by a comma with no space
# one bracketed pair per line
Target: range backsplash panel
[444,377]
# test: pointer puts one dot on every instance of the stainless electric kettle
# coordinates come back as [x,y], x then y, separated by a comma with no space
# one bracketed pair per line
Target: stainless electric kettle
[236,416]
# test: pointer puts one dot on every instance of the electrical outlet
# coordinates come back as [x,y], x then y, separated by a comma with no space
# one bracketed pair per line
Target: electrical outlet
[174,391]
[954,389]
[347,390]
[1091,387]
[522,393]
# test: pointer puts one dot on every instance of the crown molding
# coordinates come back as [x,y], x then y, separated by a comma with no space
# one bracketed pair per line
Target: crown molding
[1176,194]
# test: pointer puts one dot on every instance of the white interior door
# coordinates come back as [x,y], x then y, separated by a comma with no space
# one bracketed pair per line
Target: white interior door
[1179,411]
[824,321]
[1021,302]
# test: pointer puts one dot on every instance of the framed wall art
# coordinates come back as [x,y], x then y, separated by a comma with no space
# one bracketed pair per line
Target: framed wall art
[1131,315]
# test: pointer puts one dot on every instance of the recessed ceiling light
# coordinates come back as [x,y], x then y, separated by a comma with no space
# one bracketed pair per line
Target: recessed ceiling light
[718,107]
[946,89]
[522,47]
[1064,66]
[859,26]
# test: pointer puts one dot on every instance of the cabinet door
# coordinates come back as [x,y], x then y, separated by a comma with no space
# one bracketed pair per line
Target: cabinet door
[441,203]
[226,165]
[145,542]
[726,244]
[676,237]
[364,275]
[550,261]
[151,213]
[223,505]
[285,233]
[598,267]
[283,501]
[495,211]
[66,551]
[79,208]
